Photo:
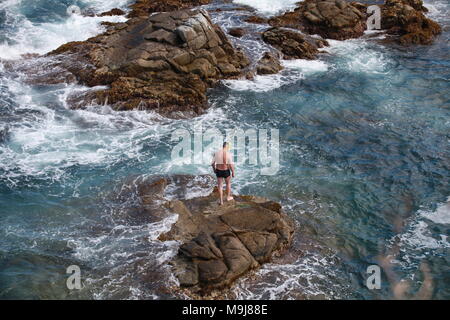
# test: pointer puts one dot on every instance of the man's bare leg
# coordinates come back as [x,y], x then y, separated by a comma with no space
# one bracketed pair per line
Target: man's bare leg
[220,186]
[228,182]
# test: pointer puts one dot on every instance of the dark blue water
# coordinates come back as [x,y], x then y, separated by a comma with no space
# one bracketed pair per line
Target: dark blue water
[365,168]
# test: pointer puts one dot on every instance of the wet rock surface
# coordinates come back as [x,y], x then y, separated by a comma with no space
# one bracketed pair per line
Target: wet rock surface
[164,62]
[292,44]
[332,19]
[219,243]
[268,64]
[143,8]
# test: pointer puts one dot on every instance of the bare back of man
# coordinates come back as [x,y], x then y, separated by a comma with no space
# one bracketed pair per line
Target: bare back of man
[223,167]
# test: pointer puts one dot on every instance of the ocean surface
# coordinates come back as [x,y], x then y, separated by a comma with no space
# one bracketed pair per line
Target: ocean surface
[364,166]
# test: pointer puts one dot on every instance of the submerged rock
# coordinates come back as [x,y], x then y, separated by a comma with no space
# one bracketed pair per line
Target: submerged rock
[256,20]
[237,32]
[219,243]
[268,64]
[164,62]
[293,44]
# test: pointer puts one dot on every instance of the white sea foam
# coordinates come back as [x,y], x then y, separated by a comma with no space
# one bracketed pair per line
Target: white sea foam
[122,253]
[306,66]
[269,7]
[437,10]
[420,240]
[122,241]
[440,215]
[357,56]
[308,277]
[49,141]
[9,3]
[32,37]
[261,83]
[294,71]
[102,5]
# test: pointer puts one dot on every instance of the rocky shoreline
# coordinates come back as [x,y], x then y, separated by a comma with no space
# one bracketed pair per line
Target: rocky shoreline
[164,62]
[169,53]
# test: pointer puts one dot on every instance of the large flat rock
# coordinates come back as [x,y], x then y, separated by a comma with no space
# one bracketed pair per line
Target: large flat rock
[163,62]
[218,243]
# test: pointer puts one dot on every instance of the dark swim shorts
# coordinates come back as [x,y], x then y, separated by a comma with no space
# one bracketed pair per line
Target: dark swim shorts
[223,173]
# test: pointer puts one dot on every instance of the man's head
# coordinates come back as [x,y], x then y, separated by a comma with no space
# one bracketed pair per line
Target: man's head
[226,145]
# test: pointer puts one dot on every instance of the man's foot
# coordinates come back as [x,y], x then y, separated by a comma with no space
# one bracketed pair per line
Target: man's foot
[230,199]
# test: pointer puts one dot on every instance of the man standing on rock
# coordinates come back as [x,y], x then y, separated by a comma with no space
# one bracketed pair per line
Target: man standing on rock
[223,167]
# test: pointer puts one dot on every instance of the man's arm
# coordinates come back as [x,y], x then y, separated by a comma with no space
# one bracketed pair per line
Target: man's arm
[231,164]
[213,163]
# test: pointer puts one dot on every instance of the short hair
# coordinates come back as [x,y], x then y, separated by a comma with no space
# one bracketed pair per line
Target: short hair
[225,144]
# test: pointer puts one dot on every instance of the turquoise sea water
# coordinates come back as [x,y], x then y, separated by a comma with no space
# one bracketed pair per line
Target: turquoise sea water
[364,156]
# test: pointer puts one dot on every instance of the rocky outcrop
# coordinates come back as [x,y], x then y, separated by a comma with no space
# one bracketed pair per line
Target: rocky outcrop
[268,64]
[219,243]
[113,12]
[164,62]
[236,32]
[143,8]
[333,19]
[256,20]
[293,44]
[340,20]
[416,4]
[406,20]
